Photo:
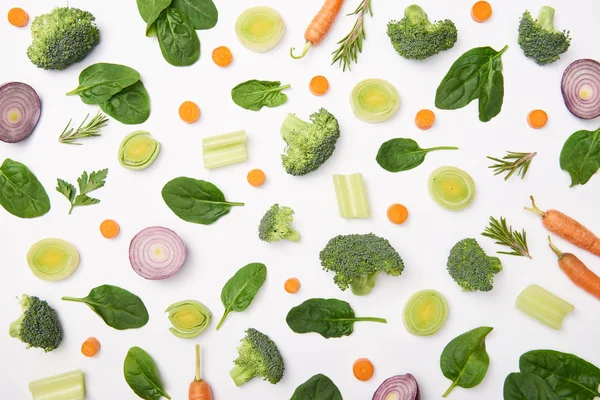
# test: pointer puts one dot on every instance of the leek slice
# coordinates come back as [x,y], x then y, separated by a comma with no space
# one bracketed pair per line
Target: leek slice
[189,318]
[544,306]
[374,100]
[67,386]
[451,187]
[351,196]
[224,149]
[425,313]
[53,259]
[259,29]
[138,150]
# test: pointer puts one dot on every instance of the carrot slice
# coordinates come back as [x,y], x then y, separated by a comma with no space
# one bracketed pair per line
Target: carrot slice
[256,177]
[319,85]
[292,285]
[397,213]
[425,119]
[90,347]
[18,17]
[363,369]
[109,228]
[537,119]
[189,112]
[481,11]
[222,56]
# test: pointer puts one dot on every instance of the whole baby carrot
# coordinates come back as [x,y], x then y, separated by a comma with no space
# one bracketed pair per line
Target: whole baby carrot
[320,25]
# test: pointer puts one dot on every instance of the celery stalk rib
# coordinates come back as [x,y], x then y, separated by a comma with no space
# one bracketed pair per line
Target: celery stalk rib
[225,149]
[544,306]
[351,196]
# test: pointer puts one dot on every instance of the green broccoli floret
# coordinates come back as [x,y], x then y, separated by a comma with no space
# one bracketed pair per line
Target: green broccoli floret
[38,326]
[416,38]
[275,225]
[539,39]
[309,145]
[471,268]
[62,37]
[358,259]
[258,356]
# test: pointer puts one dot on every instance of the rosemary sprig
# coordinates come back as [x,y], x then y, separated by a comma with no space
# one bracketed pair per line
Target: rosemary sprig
[91,129]
[505,236]
[351,44]
[512,162]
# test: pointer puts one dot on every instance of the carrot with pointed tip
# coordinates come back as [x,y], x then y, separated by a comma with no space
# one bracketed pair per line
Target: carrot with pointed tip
[199,389]
[320,25]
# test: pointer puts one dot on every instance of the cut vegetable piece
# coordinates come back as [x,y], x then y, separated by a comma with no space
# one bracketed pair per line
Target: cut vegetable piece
[351,196]
[424,119]
[256,177]
[18,17]
[292,285]
[481,11]
[399,387]
[90,347]
[53,259]
[156,253]
[67,386]
[544,306]
[189,112]
[109,228]
[318,85]
[20,110]
[189,318]
[537,119]
[222,56]
[425,313]
[397,213]
[451,187]
[259,29]
[138,150]
[374,100]
[363,369]
[224,149]
[581,88]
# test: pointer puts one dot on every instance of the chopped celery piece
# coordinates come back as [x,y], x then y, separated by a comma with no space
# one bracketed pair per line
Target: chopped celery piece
[67,386]
[544,306]
[225,149]
[351,196]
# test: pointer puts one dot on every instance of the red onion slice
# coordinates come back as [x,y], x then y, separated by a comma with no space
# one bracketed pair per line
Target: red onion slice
[581,88]
[156,253]
[20,110]
[399,387]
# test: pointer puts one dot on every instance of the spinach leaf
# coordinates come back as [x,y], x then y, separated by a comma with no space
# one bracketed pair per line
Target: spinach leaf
[527,386]
[319,387]
[195,200]
[477,74]
[202,14]
[330,318]
[142,376]
[240,290]
[179,43]
[151,9]
[130,106]
[99,82]
[580,156]
[570,377]
[119,308]
[464,360]
[254,94]
[403,154]
[21,194]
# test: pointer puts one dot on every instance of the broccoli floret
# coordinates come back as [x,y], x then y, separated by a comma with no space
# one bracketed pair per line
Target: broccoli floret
[539,39]
[471,268]
[275,225]
[38,326]
[416,38]
[309,145]
[258,356]
[62,37]
[358,259]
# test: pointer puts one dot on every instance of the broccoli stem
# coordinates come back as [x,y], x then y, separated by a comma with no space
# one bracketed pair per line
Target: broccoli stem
[416,15]
[293,235]
[546,18]
[363,284]
[241,375]
[290,125]
[14,330]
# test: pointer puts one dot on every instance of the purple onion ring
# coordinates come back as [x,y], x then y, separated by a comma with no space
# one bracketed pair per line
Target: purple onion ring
[156,253]
[582,76]
[401,387]
[20,110]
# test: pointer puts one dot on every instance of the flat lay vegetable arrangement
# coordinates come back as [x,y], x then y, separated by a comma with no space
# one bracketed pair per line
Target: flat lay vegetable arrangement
[311,139]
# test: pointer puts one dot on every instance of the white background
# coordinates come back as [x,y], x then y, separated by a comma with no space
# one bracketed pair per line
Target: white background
[217,251]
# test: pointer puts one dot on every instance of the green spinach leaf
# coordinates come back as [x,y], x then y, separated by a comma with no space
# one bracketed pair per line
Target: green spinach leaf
[21,193]
[401,154]
[130,106]
[195,200]
[150,10]
[527,386]
[464,360]
[330,318]
[141,374]
[254,94]
[119,308]
[179,43]
[477,74]
[240,290]
[318,387]
[99,82]
[580,156]
[202,14]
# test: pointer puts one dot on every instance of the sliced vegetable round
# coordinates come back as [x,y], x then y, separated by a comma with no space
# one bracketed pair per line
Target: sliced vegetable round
[581,88]
[138,150]
[259,28]
[451,187]
[425,313]
[53,259]
[374,100]
[156,253]
[189,318]
[20,110]
[399,387]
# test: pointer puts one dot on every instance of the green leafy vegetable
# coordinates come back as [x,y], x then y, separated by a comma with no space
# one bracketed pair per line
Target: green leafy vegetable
[195,200]
[67,386]
[224,149]
[451,187]
[580,156]
[240,290]
[119,308]
[38,326]
[150,10]
[544,306]
[330,318]
[477,74]
[99,82]
[318,387]
[179,43]
[505,236]
[91,129]
[512,163]
[402,154]
[203,14]
[351,196]
[130,106]
[52,259]
[527,386]
[138,150]
[142,376]
[351,45]
[254,94]
[21,194]
[87,183]
[189,318]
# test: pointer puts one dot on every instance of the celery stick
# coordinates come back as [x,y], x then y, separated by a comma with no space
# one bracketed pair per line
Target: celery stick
[67,386]
[351,196]
[224,149]
[544,306]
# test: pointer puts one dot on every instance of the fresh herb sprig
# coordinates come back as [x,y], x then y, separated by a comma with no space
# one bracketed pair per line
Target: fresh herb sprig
[351,44]
[87,183]
[512,162]
[91,129]
[505,236]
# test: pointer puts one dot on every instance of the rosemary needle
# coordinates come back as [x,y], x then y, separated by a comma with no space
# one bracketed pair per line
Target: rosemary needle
[505,236]
[512,162]
[91,129]
[351,44]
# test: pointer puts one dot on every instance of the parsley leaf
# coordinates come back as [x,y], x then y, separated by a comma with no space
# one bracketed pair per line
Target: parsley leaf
[87,183]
